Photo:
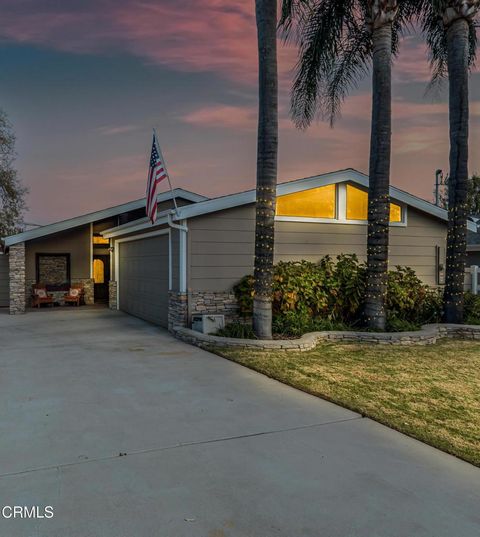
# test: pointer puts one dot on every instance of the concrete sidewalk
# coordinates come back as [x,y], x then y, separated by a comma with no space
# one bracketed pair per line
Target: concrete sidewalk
[127,432]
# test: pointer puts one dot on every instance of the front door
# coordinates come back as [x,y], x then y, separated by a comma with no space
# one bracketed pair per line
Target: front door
[101,277]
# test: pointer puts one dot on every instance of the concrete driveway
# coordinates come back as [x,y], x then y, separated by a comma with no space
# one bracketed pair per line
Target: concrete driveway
[127,432]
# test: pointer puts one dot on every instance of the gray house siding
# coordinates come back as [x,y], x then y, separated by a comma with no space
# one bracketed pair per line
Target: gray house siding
[222,245]
[75,242]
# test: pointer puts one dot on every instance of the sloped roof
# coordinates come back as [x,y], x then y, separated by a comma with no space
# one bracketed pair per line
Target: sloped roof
[298,185]
[98,215]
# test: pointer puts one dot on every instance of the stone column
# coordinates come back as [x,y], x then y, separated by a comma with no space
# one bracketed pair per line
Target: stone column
[88,289]
[16,260]
[177,309]
[112,295]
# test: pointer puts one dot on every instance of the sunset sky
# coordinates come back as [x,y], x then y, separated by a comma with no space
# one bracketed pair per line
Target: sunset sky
[84,83]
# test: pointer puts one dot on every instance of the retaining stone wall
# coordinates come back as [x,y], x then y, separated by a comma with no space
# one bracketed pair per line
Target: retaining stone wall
[428,335]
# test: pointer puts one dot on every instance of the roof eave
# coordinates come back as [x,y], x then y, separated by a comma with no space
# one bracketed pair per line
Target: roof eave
[247,197]
[81,220]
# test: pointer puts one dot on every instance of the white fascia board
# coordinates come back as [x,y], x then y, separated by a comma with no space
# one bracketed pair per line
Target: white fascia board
[473,247]
[322,180]
[139,227]
[63,225]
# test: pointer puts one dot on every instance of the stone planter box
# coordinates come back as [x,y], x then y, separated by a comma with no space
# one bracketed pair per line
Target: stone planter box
[428,335]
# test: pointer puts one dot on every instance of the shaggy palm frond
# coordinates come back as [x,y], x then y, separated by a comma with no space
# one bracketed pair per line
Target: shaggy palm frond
[335,50]
[436,37]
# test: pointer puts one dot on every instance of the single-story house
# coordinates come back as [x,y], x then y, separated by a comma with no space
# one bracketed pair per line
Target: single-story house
[188,262]
[473,245]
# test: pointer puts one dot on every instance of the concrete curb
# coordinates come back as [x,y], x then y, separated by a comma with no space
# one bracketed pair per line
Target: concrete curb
[429,334]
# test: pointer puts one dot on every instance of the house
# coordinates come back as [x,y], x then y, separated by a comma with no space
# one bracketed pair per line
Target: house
[473,245]
[190,259]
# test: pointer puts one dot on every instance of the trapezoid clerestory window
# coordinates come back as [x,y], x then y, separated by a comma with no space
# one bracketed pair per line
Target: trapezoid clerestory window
[314,203]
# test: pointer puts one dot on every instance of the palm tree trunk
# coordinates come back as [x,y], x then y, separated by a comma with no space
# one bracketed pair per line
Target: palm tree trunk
[458,47]
[378,195]
[266,13]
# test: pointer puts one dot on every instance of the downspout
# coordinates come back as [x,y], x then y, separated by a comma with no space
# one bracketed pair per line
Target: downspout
[182,255]
[176,226]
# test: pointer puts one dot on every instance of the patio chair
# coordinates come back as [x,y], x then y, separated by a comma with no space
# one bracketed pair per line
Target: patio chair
[74,295]
[40,295]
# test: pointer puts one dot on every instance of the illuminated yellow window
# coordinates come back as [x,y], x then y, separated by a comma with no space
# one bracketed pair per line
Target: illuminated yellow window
[395,213]
[357,206]
[100,240]
[98,271]
[314,203]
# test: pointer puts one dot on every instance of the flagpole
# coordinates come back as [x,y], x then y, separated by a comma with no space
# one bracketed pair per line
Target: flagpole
[166,170]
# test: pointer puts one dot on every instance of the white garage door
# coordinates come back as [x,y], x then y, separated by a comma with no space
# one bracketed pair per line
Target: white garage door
[143,279]
[4,276]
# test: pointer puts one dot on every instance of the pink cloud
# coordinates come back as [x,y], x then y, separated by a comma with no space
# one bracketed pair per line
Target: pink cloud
[186,35]
[412,64]
[112,130]
[193,35]
[223,116]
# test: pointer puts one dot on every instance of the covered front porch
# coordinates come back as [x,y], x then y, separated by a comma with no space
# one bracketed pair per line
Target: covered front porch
[51,271]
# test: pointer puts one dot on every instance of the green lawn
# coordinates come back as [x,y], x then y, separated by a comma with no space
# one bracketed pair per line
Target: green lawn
[429,392]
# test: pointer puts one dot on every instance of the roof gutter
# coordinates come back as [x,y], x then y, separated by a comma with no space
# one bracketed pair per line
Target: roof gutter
[175,226]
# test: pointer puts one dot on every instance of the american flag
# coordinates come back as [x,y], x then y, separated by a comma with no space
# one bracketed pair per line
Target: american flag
[157,172]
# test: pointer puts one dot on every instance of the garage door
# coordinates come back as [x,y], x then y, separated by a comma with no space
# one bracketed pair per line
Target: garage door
[143,279]
[4,302]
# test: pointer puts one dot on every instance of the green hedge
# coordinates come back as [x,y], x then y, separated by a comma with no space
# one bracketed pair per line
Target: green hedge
[329,295]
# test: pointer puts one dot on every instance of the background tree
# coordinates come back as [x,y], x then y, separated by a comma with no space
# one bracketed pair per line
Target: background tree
[12,193]
[338,41]
[449,26]
[266,14]
[473,195]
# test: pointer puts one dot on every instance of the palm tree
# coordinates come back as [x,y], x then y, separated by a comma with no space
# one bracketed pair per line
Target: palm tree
[338,39]
[449,26]
[266,13]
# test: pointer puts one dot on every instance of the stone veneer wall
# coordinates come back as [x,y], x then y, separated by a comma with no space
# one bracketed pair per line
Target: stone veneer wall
[88,289]
[16,260]
[214,302]
[112,295]
[428,335]
[177,309]
[28,291]
[53,269]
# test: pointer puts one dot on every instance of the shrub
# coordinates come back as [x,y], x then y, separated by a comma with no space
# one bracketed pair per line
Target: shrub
[409,300]
[237,329]
[297,323]
[327,290]
[394,324]
[472,308]
[308,295]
